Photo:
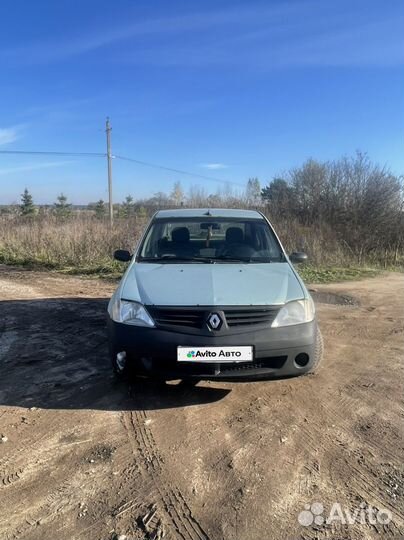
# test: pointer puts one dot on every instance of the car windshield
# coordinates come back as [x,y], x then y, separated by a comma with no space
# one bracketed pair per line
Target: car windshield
[216,240]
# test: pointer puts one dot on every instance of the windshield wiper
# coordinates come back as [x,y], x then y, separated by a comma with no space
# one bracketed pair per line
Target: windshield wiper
[233,259]
[174,258]
[242,259]
[207,260]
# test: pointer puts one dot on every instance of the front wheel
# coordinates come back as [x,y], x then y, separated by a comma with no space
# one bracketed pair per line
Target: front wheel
[318,352]
[121,366]
[120,371]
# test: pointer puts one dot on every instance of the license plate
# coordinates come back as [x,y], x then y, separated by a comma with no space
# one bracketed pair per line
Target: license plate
[220,355]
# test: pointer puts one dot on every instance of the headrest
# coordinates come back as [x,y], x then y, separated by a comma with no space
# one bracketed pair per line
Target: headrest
[180,234]
[234,235]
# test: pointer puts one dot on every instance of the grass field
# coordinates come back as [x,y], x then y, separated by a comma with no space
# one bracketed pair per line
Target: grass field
[113,270]
[82,245]
[313,274]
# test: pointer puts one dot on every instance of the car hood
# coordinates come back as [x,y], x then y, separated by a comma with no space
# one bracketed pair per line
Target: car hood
[211,284]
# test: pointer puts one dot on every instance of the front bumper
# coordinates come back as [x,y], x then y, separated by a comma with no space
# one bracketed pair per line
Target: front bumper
[153,351]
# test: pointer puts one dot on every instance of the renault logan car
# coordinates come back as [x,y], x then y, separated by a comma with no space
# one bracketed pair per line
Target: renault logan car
[210,294]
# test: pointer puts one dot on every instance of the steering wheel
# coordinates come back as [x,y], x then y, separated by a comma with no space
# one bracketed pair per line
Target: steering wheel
[238,250]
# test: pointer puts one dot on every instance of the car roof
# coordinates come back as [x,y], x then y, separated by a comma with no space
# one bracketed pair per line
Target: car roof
[208,212]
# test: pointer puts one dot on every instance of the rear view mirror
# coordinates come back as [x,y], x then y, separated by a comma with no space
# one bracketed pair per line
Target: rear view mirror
[122,255]
[207,225]
[298,257]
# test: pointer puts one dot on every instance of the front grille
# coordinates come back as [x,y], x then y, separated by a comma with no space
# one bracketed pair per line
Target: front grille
[236,317]
[172,367]
[273,362]
[250,316]
[177,317]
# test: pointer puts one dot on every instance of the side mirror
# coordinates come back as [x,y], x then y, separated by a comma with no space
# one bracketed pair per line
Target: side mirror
[122,255]
[298,257]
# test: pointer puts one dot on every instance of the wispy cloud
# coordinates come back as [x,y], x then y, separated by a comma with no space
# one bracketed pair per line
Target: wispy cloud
[90,40]
[353,44]
[33,167]
[10,134]
[56,110]
[214,166]
[255,36]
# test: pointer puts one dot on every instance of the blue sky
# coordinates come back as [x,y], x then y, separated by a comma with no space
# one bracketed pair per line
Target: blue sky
[229,89]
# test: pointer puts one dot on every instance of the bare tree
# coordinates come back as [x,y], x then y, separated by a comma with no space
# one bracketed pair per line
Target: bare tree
[177,194]
[197,196]
[253,192]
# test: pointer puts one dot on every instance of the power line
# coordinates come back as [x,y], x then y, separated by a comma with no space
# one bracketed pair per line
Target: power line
[29,152]
[123,158]
[178,171]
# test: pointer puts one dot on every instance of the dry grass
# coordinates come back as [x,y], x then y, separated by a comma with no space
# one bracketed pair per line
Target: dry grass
[84,244]
[80,243]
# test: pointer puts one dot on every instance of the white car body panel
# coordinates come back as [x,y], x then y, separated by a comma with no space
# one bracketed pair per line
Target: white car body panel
[224,284]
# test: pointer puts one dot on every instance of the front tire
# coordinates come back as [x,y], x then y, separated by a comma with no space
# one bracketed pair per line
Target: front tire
[120,373]
[121,370]
[318,352]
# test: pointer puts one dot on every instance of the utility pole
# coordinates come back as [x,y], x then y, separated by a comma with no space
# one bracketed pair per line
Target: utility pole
[109,160]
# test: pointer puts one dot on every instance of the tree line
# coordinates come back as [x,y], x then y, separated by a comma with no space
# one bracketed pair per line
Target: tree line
[129,206]
[358,203]
[361,202]
[27,207]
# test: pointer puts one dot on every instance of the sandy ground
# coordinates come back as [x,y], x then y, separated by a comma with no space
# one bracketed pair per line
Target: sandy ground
[85,457]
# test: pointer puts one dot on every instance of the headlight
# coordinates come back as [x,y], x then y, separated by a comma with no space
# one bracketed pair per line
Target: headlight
[296,312]
[124,311]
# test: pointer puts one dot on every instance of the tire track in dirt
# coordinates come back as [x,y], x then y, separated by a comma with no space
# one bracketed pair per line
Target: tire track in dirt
[7,478]
[364,486]
[341,409]
[41,450]
[351,463]
[57,500]
[31,443]
[176,510]
[130,489]
[364,480]
[305,439]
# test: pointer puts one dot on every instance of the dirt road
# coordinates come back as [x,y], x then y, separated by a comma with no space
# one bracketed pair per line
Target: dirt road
[84,457]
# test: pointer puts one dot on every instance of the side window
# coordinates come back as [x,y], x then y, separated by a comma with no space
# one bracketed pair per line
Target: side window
[250,234]
[257,236]
[270,243]
[258,240]
[151,241]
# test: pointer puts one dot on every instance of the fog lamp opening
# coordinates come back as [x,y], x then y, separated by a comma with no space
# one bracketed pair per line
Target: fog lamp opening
[302,359]
[121,360]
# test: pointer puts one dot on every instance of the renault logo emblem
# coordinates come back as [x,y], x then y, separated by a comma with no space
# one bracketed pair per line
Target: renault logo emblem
[214,321]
